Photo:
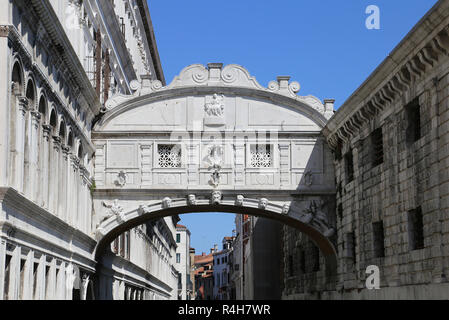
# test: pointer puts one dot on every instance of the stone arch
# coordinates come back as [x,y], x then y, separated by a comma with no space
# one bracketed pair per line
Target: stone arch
[70,140]
[43,106]
[17,77]
[30,92]
[52,120]
[62,131]
[119,221]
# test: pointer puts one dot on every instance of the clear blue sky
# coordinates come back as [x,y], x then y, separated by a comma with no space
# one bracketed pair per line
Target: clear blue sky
[324,45]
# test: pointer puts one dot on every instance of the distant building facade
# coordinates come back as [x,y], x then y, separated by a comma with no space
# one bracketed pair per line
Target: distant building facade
[204,276]
[222,271]
[182,262]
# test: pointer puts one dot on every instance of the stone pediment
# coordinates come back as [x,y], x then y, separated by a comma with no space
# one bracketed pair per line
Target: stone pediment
[215,75]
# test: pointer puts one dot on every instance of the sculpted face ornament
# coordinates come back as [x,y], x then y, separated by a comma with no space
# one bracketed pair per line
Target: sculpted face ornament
[286,209]
[308,178]
[191,200]
[166,203]
[239,200]
[263,202]
[216,197]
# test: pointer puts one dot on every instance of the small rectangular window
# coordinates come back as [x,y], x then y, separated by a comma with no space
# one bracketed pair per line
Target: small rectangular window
[415,229]
[349,164]
[261,156]
[169,156]
[377,151]
[178,237]
[178,258]
[340,211]
[413,117]
[349,246]
[378,239]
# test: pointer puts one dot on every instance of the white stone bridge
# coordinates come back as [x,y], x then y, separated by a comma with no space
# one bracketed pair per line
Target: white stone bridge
[215,140]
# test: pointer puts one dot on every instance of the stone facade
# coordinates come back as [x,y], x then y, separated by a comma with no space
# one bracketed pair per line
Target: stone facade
[60,61]
[390,145]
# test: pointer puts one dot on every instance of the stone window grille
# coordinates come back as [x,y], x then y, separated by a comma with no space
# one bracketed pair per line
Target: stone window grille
[378,239]
[377,147]
[412,111]
[415,229]
[261,156]
[349,164]
[169,155]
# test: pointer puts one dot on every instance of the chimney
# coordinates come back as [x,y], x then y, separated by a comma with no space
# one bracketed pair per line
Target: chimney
[215,248]
[203,254]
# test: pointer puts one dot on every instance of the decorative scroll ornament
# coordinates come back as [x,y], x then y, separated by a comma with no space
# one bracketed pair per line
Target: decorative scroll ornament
[115,209]
[216,197]
[263,202]
[121,179]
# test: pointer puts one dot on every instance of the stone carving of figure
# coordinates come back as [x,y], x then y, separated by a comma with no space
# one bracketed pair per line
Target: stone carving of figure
[215,177]
[191,199]
[319,217]
[263,202]
[215,156]
[216,107]
[239,200]
[216,197]
[115,209]
[166,203]
[121,179]
[308,178]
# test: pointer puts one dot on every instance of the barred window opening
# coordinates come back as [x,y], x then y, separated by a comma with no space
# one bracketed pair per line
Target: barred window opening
[378,239]
[169,156]
[415,225]
[261,156]
[377,147]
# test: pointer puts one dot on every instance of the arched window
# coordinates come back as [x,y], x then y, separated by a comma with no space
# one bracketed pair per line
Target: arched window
[43,107]
[70,140]
[53,119]
[62,131]
[80,151]
[30,93]
[17,78]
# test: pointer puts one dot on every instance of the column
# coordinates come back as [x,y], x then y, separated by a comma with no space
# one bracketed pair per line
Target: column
[45,158]
[28,277]
[19,145]
[62,201]
[192,163]
[73,185]
[50,292]
[145,152]
[40,281]
[14,275]
[5,105]
[54,175]
[34,155]
[61,283]
[27,153]
[239,169]
[284,164]
[2,267]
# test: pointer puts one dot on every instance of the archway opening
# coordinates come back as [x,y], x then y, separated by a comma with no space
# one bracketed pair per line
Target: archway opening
[326,255]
